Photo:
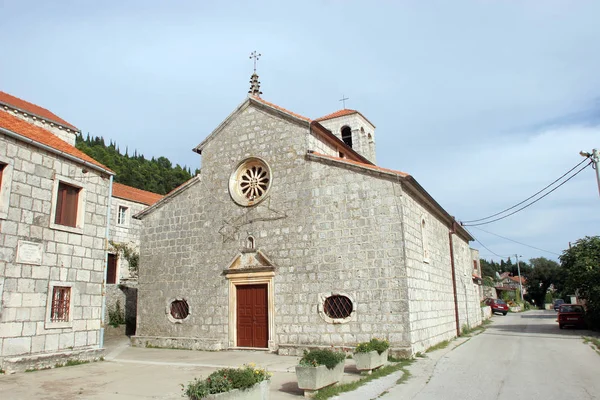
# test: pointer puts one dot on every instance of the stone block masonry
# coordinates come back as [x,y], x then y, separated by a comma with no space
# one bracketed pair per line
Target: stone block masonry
[37,255]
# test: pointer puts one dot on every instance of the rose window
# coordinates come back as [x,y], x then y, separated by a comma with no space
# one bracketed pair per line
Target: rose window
[250,182]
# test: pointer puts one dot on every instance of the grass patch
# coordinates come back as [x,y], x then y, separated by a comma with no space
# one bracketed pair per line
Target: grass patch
[593,342]
[439,346]
[331,391]
[1,371]
[71,363]
[466,331]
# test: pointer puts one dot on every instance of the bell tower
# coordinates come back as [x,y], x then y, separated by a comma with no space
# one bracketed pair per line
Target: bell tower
[354,129]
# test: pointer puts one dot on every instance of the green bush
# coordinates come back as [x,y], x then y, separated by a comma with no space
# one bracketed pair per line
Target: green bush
[224,380]
[322,357]
[374,344]
[116,316]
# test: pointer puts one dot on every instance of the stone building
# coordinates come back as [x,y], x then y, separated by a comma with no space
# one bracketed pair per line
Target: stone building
[291,237]
[53,220]
[121,276]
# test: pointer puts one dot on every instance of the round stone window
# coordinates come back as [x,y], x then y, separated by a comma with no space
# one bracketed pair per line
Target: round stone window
[337,308]
[178,310]
[250,182]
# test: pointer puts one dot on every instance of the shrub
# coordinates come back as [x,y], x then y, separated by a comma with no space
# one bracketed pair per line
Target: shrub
[322,357]
[224,380]
[374,344]
[116,316]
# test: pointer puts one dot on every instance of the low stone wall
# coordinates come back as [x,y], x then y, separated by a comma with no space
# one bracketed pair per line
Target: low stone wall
[486,312]
[177,343]
[49,360]
[515,309]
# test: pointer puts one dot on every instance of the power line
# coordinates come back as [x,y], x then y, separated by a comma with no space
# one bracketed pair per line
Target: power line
[512,240]
[530,197]
[533,202]
[484,246]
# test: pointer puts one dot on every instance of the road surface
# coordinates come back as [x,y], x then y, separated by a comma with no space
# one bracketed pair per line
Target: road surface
[519,356]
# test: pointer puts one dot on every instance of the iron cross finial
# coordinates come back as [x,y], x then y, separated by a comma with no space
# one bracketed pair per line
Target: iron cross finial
[343,100]
[256,56]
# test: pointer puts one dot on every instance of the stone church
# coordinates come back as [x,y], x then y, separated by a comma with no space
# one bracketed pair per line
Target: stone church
[291,237]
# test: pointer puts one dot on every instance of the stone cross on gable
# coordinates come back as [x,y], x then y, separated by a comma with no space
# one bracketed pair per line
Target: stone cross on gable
[256,57]
[343,100]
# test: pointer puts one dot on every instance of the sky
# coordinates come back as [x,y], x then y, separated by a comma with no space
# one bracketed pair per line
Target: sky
[483,102]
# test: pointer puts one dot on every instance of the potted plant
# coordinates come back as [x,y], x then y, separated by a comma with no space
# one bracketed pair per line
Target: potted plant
[318,369]
[248,383]
[371,355]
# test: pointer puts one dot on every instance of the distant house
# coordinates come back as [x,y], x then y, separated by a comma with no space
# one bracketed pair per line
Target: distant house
[509,283]
[123,252]
[54,202]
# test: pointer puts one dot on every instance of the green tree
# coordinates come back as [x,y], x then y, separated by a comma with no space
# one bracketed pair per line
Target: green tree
[544,272]
[581,274]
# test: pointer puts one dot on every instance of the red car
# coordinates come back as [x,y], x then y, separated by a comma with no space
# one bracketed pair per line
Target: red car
[571,314]
[497,305]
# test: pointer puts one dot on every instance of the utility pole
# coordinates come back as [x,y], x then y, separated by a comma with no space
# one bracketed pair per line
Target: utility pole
[520,282]
[595,157]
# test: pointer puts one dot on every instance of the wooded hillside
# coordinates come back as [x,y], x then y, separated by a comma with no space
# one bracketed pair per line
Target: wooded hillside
[155,175]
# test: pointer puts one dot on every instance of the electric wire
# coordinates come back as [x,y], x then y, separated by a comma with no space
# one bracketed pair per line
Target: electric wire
[533,202]
[515,241]
[530,197]
[483,245]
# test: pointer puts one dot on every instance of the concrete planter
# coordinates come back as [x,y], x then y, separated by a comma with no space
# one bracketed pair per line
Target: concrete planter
[311,379]
[260,391]
[370,361]
[515,309]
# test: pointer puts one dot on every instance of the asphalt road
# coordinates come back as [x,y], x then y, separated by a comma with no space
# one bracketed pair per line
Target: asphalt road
[520,356]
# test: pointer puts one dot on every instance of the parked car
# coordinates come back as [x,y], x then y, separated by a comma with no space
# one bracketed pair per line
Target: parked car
[571,314]
[557,303]
[497,305]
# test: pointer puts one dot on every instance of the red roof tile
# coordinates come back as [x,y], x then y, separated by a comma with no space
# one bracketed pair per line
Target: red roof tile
[339,113]
[138,195]
[280,108]
[31,108]
[42,136]
[364,165]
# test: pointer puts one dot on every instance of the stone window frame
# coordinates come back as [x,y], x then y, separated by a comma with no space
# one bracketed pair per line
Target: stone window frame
[126,213]
[323,296]
[168,310]
[235,178]
[6,174]
[425,239]
[81,202]
[48,323]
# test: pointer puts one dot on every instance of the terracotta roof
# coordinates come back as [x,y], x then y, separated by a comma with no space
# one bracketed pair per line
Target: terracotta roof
[516,279]
[280,108]
[33,109]
[42,136]
[339,113]
[364,165]
[138,195]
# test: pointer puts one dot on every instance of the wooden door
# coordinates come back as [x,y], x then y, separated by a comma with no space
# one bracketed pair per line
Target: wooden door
[252,316]
[111,274]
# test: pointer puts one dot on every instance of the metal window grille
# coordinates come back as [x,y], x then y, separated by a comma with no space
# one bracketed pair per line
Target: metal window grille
[337,307]
[180,309]
[61,301]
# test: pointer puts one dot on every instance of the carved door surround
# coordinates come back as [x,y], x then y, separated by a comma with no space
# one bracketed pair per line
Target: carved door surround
[250,268]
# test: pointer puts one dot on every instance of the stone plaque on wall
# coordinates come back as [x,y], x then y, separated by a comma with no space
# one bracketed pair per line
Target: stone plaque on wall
[29,252]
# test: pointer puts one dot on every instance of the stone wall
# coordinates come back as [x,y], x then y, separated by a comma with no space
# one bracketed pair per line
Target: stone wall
[67,134]
[36,254]
[127,233]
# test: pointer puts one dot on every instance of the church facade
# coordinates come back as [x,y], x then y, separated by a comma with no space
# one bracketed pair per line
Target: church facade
[292,238]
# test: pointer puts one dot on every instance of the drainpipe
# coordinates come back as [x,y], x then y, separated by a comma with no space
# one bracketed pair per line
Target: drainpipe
[452,231]
[106,239]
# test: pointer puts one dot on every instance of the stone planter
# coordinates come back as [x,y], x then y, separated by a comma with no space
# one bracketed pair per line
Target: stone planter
[311,379]
[260,391]
[370,361]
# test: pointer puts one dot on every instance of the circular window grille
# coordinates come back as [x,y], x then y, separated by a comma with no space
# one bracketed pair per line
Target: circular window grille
[337,307]
[250,182]
[180,309]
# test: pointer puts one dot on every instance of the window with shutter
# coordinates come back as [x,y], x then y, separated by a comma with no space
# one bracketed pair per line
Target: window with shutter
[66,205]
